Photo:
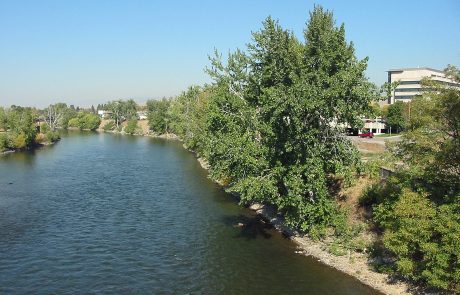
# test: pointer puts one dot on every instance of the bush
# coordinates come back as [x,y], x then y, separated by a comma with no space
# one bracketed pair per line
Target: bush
[19,141]
[85,121]
[421,236]
[131,127]
[52,136]
[40,138]
[44,127]
[90,122]
[109,126]
[3,142]
[74,122]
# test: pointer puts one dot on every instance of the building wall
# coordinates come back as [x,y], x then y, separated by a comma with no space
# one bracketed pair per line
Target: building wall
[410,82]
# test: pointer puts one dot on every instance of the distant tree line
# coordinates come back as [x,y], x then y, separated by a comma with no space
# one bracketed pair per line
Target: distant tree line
[24,127]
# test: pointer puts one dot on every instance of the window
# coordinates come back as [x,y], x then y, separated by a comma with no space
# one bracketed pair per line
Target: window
[403,97]
[408,89]
[409,82]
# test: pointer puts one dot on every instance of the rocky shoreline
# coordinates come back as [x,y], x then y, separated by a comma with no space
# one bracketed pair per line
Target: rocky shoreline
[354,264]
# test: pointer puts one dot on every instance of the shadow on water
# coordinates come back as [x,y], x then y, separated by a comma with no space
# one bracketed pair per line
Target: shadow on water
[26,157]
[251,227]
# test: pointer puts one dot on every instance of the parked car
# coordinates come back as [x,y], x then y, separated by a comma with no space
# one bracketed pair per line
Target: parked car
[367,134]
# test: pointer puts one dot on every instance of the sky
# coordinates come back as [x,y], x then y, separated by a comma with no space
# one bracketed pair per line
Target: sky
[90,52]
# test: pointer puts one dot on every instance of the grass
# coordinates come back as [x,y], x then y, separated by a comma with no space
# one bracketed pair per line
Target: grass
[387,135]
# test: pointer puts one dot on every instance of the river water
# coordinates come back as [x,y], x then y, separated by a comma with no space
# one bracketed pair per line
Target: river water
[111,214]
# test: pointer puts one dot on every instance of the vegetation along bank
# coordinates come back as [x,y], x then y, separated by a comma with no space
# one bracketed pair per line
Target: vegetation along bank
[271,129]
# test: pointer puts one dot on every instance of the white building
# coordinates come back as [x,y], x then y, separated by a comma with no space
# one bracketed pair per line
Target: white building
[409,82]
[104,114]
[376,125]
[141,115]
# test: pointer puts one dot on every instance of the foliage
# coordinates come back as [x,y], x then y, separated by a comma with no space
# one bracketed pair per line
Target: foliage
[52,136]
[395,116]
[85,121]
[122,110]
[55,115]
[74,122]
[131,127]
[20,124]
[4,144]
[269,124]
[158,115]
[418,207]
[3,119]
[109,126]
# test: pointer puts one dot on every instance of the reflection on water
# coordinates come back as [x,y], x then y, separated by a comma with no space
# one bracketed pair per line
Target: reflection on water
[102,213]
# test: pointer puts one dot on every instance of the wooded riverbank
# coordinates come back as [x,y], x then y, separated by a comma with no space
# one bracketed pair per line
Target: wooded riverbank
[354,264]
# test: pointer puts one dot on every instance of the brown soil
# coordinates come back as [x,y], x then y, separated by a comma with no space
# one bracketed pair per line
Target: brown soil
[369,147]
[144,125]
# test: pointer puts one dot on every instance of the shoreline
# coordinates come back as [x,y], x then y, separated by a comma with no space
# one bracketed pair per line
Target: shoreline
[36,146]
[354,264]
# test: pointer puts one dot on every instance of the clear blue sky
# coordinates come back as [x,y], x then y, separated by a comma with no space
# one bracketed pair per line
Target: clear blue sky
[89,52]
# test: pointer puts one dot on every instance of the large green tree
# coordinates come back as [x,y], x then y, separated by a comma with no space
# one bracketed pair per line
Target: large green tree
[395,117]
[158,115]
[122,110]
[276,118]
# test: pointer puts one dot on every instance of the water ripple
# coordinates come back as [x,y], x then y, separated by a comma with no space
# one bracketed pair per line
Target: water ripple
[105,214]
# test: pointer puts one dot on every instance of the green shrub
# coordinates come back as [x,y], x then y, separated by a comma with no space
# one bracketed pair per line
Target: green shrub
[85,121]
[3,142]
[74,122]
[52,136]
[90,122]
[40,138]
[109,126]
[44,127]
[19,141]
[131,127]
[337,249]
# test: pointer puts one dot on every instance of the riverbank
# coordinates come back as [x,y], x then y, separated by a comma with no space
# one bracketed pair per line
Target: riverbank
[354,264]
[36,146]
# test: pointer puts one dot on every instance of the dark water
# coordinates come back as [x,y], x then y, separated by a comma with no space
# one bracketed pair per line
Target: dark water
[99,213]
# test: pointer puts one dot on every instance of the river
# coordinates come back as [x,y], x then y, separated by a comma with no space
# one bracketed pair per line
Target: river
[112,214]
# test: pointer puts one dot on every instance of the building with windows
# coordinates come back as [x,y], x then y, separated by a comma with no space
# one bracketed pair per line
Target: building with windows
[409,82]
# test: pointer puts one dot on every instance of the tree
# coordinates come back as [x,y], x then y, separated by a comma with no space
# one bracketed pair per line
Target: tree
[21,126]
[3,119]
[116,108]
[275,113]
[85,121]
[158,115]
[395,116]
[54,114]
[131,127]
[122,110]
[418,208]
[129,109]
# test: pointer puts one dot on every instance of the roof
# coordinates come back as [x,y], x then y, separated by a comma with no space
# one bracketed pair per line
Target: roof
[415,69]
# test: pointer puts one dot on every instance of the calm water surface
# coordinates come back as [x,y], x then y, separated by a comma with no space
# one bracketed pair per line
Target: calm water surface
[100,213]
